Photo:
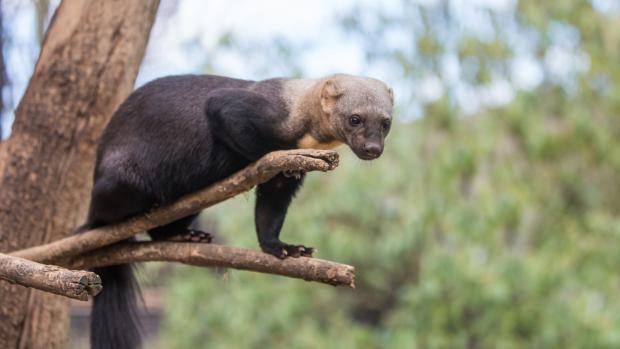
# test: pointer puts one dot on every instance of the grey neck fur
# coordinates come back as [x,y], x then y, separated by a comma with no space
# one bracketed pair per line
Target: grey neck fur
[303,97]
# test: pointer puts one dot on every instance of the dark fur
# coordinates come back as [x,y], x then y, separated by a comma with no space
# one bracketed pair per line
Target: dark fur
[174,136]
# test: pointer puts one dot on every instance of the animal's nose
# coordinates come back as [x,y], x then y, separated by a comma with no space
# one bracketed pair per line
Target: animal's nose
[373,149]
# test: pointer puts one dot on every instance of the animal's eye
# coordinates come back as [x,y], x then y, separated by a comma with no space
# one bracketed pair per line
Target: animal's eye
[387,124]
[355,120]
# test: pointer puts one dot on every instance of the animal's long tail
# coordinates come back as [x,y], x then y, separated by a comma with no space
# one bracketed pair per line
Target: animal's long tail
[114,318]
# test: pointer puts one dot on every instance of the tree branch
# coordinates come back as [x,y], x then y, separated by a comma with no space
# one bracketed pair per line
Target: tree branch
[304,160]
[50,278]
[211,255]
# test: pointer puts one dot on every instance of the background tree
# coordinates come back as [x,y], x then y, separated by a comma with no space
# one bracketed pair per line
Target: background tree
[2,69]
[87,66]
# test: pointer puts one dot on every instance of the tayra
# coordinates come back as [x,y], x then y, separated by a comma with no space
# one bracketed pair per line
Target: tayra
[178,134]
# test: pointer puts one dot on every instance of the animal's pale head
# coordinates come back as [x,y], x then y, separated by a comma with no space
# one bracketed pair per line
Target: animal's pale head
[360,112]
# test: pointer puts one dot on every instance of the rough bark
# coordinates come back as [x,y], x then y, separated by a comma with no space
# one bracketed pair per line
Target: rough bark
[212,255]
[75,284]
[259,172]
[3,76]
[87,66]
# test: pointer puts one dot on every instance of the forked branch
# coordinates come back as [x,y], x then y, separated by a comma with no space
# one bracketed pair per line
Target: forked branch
[303,160]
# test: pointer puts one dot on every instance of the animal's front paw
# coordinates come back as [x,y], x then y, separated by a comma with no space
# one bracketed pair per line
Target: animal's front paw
[282,250]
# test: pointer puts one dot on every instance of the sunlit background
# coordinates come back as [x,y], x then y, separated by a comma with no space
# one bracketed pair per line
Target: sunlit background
[491,221]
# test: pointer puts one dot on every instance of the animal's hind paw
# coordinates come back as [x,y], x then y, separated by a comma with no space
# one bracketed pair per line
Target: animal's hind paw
[193,235]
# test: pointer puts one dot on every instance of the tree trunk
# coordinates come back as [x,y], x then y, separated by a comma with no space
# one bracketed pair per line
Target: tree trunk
[3,78]
[87,66]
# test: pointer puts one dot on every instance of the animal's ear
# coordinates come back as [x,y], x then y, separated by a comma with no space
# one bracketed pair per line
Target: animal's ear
[329,94]
[391,94]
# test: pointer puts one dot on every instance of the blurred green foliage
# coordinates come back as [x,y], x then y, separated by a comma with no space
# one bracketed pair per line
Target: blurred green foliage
[494,230]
